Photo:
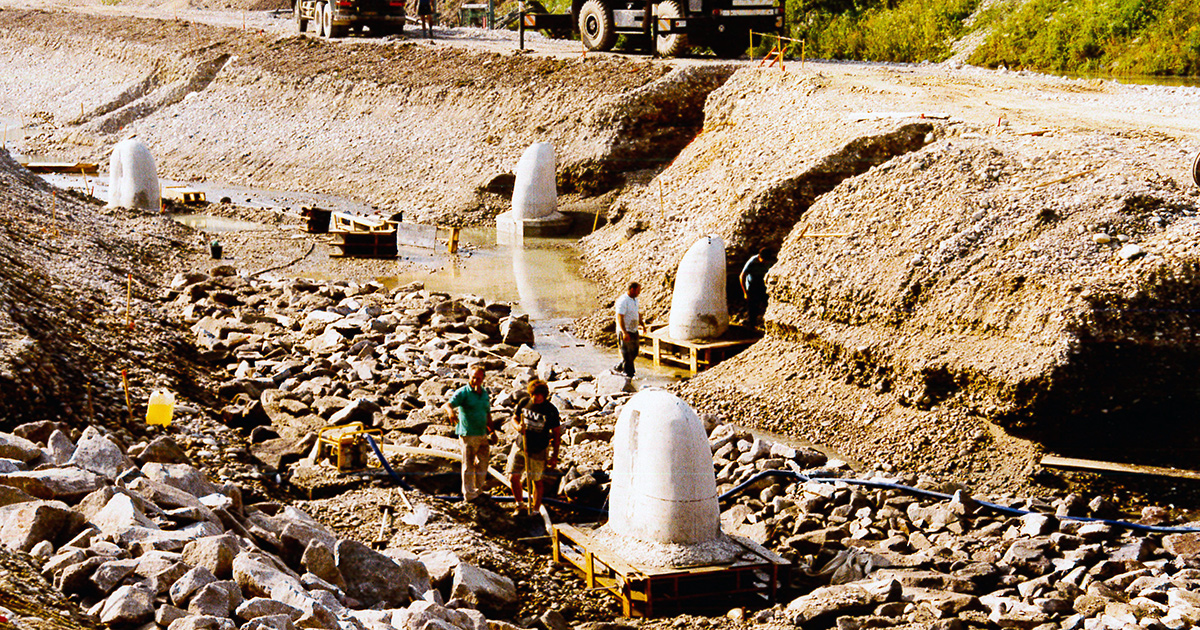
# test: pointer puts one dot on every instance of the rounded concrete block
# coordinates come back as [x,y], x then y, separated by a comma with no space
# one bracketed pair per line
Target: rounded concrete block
[663,486]
[132,178]
[535,194]
[699,307]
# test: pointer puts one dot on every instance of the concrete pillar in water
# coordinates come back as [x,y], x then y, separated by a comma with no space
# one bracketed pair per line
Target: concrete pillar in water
[535,194]
[699,307]
[132,178]
[663,486]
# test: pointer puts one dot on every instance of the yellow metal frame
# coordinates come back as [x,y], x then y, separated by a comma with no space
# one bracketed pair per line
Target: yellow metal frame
[341,437]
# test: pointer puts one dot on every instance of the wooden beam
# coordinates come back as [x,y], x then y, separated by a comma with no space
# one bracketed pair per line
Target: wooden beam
[1068,463]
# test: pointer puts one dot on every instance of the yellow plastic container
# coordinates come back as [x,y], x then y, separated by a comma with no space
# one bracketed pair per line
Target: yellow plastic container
[162,405]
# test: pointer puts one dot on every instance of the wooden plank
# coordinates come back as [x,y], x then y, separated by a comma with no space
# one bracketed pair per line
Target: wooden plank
[1054,461]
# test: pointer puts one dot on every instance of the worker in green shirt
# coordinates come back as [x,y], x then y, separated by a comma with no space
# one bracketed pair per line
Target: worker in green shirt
[471,407]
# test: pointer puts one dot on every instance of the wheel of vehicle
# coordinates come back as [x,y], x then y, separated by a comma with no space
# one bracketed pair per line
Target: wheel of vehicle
[731,44]
[1196,170]
[301,22]
[320,20]
[333,30]
[674,44]
[596,26]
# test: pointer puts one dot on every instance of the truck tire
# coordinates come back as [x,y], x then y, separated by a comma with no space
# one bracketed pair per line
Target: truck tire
[327,25]
[301,22]
[596,25]
[675,44]
[320,19]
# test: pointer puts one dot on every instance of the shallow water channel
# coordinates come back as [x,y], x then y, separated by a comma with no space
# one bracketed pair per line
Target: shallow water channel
[540,276]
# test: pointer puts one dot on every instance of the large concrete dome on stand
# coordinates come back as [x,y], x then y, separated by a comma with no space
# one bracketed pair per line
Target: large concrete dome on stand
[535,197]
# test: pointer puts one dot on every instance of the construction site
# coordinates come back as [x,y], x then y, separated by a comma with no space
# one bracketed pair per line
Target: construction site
[246,270]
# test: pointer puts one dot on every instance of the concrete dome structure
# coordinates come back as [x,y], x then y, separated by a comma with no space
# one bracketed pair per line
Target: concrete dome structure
[664,489]
[699,306]
[132,177]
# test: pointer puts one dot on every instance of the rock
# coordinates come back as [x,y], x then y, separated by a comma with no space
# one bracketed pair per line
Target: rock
[612,384]
[18,448]
[829,602]
[129,605]
[201,622]
[482,588]
[320,561]
[110,574]
[23,525]
[553,620]
[64,484]
[1130,251]
[361,410]
[440,564]
[263,607]
[373,578]
[182,476]
[60,447]
[527,356]
[183,588]
[98,454]
[270,622]
[214,553]
[211,599]
[167,614]
[120,515]
[260,575]
[1185,544]
[516,330]
[164,450]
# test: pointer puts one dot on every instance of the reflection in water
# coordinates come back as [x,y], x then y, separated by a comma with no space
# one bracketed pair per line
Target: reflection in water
[209,223]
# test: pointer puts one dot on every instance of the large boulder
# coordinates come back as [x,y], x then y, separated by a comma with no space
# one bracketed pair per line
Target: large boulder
[376,579]
[482,588]
[96,453]
[23,525]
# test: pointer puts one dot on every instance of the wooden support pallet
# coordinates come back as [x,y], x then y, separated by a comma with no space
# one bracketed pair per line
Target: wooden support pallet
[364,244]
[646,591]
[695,355]
[71,168]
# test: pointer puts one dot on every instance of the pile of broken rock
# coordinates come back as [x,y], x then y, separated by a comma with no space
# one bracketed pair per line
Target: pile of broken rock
[150,540]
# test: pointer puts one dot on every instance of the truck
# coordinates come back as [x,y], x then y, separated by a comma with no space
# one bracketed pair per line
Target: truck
[336,18]
[674,26]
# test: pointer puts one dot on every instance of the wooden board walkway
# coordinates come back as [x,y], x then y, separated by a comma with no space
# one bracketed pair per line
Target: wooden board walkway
[71,168]
[1068,463]
[696,355]
[755,574]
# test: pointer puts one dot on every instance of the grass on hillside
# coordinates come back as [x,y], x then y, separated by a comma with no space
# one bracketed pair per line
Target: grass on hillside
[1156,37]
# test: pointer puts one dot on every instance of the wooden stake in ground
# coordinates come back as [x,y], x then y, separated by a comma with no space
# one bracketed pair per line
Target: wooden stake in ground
[129,304]
[128,402]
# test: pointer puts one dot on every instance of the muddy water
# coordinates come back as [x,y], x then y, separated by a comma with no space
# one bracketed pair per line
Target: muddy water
[539,275]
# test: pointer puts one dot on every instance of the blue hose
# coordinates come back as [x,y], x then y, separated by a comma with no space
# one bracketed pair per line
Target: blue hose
[1003,509]
[383,460]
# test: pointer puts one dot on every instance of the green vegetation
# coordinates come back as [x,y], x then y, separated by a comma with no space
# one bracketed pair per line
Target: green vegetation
[1158,37]
[879,30]
[1154,37]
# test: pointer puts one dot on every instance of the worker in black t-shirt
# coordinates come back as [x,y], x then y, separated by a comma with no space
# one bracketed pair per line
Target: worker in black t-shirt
[538,429]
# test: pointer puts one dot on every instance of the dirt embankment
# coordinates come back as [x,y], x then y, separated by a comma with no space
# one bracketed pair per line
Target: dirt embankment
[429,130]
[947,262]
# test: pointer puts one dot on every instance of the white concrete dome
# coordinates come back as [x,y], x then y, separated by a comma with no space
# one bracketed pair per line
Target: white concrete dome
[663,486]
[699,307]
[132,177]
[535,194]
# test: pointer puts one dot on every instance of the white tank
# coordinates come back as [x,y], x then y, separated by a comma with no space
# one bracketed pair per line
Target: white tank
[663,486]
[699,309]
[535,194]
[132,178]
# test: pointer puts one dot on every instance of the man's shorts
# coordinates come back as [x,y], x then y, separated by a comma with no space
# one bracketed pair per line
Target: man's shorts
[516,463]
